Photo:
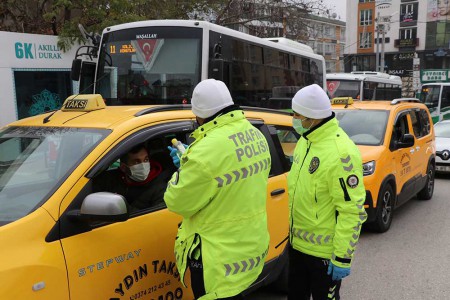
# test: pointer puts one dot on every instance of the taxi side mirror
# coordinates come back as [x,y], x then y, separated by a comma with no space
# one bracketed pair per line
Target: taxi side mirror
[102,207]
[406,141]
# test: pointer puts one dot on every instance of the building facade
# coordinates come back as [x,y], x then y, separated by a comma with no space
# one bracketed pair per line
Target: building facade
[411,38]
[327,38]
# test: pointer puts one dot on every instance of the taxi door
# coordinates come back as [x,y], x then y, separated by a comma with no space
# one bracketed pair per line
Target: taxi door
[423,146]
[404,158]
[133,259]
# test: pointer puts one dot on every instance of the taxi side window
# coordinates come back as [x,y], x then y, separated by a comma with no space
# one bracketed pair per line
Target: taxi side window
[285,139]
[425,120]
[288,140]
[420,123]
[415,123]
[147,195]
[399,130]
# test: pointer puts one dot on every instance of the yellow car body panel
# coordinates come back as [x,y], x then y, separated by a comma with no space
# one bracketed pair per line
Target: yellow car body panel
[31,268]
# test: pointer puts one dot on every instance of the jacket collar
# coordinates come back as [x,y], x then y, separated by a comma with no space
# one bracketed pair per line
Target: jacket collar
[326,128]
[219,121]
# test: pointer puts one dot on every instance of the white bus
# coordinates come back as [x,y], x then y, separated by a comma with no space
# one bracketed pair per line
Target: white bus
[364,85]
[161,61]
[436,96]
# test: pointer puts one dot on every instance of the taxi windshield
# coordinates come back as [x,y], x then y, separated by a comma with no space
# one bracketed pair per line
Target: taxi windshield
[364,127]
[34,161]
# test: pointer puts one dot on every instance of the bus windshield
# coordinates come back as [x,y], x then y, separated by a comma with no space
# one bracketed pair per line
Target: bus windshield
[149,65]
[343,88]
[430,96]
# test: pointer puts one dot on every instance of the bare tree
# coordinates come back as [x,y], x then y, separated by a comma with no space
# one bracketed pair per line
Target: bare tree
[267,18]
[258,17]
[25,16]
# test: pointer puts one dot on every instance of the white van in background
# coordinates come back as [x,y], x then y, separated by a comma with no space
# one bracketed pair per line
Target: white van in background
[364,85]
[35,75]
[436,96]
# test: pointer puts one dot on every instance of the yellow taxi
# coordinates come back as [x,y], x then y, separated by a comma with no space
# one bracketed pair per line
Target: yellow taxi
[397,144]
[60,240]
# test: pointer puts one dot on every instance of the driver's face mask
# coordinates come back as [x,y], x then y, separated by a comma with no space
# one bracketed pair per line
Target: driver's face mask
[140,171]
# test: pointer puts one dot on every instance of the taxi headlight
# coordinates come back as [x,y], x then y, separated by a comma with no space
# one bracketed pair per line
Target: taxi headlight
[369,168]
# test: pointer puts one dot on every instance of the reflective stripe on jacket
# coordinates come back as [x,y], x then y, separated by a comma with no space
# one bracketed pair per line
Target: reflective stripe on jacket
[221,190]
[326,194]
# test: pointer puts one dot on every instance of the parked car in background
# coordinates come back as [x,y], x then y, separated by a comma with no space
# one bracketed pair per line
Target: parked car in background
[442,131]
[396,140]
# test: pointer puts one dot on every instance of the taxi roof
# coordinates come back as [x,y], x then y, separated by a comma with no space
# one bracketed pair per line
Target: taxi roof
[109,117]
[378,105]
[114,116]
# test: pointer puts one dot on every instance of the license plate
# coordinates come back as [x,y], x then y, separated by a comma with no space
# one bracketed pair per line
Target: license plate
[443,168]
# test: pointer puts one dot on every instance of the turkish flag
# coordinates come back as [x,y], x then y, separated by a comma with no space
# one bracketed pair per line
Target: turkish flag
[148,48]
[332,86]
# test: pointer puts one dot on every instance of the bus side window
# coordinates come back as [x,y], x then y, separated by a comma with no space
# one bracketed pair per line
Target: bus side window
[445,101]
[369,91]
[381,92]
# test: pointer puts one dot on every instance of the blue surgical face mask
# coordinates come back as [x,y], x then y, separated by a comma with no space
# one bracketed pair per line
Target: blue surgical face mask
[298,126]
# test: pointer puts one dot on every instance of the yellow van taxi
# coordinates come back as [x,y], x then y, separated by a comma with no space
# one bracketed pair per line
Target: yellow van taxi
[61,240]
[397,144]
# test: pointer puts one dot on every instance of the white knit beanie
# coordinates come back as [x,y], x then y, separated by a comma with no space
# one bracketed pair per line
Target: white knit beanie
[209,97]
[312,102]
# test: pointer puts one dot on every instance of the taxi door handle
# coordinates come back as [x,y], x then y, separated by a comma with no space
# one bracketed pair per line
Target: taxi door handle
[411,151]
[417,148]
[277,192]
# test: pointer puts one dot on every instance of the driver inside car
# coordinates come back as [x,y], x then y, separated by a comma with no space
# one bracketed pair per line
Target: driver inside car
[140,180]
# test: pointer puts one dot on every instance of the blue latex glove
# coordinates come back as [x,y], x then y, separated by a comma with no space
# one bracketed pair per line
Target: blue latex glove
[174,155]
[337,273]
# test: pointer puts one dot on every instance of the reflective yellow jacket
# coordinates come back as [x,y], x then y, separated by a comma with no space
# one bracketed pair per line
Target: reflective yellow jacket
[221,190]
[326,194]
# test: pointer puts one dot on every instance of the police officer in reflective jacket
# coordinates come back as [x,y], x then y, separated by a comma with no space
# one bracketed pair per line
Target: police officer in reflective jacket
[326,199]
[220,191]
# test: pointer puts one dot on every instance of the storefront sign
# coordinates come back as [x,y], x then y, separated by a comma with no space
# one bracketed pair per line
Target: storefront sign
[434,75]
[404,56]
[381,4]
[406,43]
[396,72]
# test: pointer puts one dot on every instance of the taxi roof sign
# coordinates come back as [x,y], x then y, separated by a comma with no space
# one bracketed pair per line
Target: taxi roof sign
[86,102]
[342,100]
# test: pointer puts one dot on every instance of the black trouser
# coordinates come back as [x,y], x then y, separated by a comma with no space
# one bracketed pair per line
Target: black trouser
[308,276]
[197,282]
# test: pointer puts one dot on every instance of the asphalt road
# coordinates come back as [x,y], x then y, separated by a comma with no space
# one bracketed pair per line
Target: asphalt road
[410,261]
